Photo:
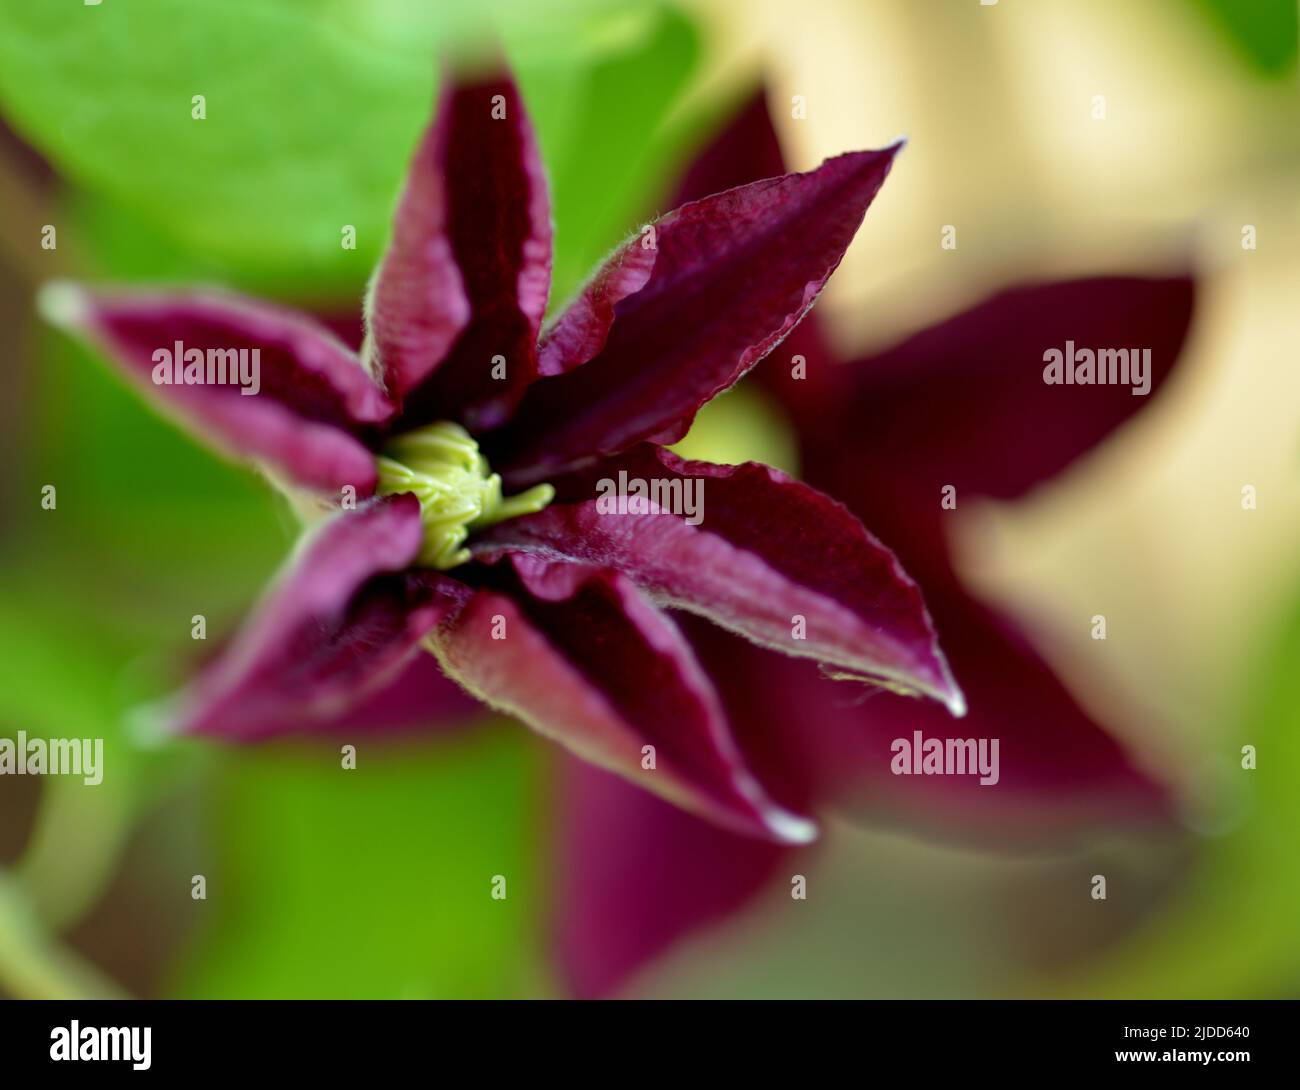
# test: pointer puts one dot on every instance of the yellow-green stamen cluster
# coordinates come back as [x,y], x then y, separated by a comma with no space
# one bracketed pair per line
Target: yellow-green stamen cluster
[457,490]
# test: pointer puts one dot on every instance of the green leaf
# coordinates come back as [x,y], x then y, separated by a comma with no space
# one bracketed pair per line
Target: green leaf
[304,128]
[742,424]
[1263,32]
[311,111]
[1232,931]
[617,152]
[374,882]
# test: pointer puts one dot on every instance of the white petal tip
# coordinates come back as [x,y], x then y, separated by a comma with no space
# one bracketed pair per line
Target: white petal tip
[62,303]
[150,726]
[956,704]
[790,828]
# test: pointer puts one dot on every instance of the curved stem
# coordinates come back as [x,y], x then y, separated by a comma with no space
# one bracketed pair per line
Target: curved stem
[35,966]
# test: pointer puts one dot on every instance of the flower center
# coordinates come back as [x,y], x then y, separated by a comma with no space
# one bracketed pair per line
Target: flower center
[457,490]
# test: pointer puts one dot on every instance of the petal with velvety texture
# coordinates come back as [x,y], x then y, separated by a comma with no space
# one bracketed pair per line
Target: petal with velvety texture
[314,407]
[339,625]
[1057,775]
[420,697]
[680,312]
[580,656]
[747,150]
[767,557]
[635,875]
[457,305]
[965,402]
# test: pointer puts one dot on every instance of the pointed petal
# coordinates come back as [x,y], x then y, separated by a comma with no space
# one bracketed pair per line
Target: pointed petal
[578,654]
[583,328]
[682,311]
[314,406]
[769,558]
[967,401]
[341,623]
[636,875]
[469,270]
[1060,774]
[745,151]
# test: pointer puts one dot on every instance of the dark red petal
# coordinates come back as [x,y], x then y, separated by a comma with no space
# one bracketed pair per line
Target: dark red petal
[416,307]
[729,277]
[766,552]
[341,623]
[1061,775]
[965,402]
[747,150]
[469,271]
[577,654]
[582,330]
[316,406]
[421,697]
[636,875]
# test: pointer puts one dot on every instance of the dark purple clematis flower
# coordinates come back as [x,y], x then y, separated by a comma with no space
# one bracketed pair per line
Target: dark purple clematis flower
[962,404]
[463,448]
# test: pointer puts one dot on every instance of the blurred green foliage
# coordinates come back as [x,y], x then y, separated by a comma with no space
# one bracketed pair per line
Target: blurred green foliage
[1234,932]
[1264,33]
[375,882]
[312,111]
